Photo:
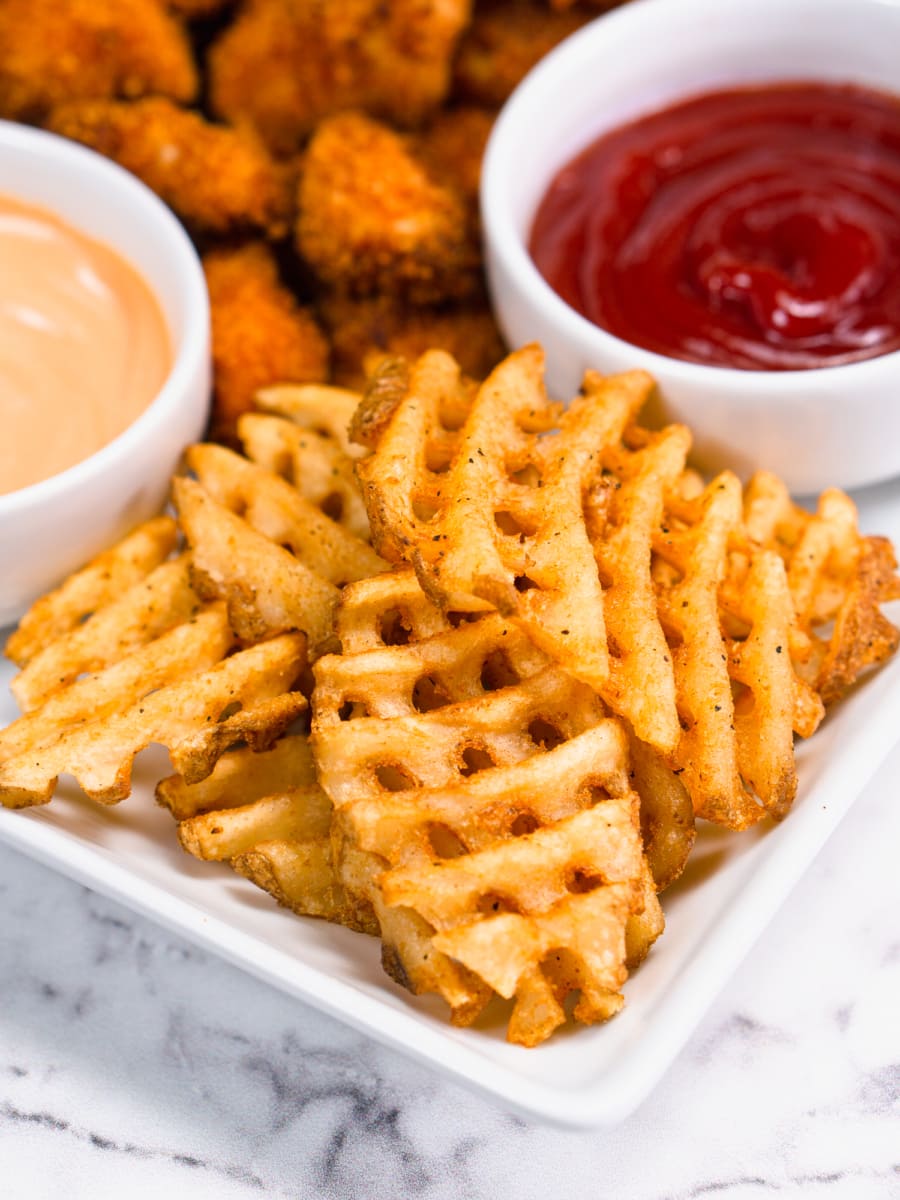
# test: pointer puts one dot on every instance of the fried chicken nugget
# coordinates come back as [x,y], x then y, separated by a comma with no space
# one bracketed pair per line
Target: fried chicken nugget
[194,10]
[372,220]
[285,64]
[217,179]
[452,147]
[59,50]
[260,334]
[364,331]
[504,41]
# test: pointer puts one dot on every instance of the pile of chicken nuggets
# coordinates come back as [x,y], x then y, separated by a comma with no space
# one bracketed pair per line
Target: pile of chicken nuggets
[323,155]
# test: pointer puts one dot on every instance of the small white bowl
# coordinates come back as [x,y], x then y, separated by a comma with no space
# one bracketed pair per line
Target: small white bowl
[832,425]
[49,528]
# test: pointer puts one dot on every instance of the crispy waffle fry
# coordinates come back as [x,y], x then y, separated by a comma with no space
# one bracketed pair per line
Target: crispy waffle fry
[467,744]
[96,726]
[493,516]
[311,462]
[266,815]
[316,407]
[267,590]
[835,576]
[624,509]
[63,610]
[162,599]
[272,555]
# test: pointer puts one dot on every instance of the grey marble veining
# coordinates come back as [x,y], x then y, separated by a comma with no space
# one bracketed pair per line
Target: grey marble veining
[133,1065]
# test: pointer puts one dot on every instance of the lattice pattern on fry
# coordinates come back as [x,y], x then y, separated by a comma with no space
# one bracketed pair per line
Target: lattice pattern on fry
[179,691]
[267,816]
[317,407]
[624,510]
[91,588]
[446,792]
[835,575]
[480,653]
[315,465]
[491,514]
[691,554]
[275,558]
[157,602]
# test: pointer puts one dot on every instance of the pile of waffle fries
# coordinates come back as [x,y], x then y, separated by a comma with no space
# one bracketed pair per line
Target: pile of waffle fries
[457,666]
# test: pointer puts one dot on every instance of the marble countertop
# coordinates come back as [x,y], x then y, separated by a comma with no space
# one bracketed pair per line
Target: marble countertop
[133,1064]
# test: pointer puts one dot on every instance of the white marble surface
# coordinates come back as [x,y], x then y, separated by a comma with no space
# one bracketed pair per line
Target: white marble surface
[132,1064]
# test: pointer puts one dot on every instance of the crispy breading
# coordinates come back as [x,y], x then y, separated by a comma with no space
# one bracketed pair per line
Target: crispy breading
[217,179]
[286,64]
[371,219]
[364,331]
[504,41]
[452,148]
[260,334]
[193,10]
[58,50]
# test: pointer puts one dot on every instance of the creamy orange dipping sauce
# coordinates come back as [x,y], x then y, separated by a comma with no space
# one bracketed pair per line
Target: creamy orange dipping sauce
[83,345]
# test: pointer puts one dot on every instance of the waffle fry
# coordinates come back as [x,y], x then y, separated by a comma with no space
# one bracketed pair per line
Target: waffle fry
[179,691]
[258,544]
[467,743]
[162,599]
[315,407]
[59,612]
[312,463]
[834,575]
[492,517]
[275,833]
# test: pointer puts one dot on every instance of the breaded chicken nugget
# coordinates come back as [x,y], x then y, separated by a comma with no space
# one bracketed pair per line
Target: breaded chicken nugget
[452,147]
[371,219]
[260,334]
[504,41]
[218,180]
[57,50]
[285,64]
[193,10]
[362,331]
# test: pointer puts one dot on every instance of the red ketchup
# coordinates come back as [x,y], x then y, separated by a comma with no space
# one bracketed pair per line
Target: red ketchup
[757,228]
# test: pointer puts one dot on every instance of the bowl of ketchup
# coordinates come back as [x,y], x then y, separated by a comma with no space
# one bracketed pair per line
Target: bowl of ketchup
[712,192]
[104,357]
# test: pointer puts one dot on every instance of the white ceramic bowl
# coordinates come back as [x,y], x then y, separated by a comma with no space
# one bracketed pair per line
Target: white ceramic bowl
[50,528]
[834,425]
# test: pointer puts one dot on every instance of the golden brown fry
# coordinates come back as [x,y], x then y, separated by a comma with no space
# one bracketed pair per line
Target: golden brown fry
[217,179]
[362,332]
[267,590]
[315,465]
[483,783]
[372,220]
[59,50]
[286,64]
[247,697]
[277,836]
[504,41]
[260,334]
[95,585]
[326,411]
[492,516]
[161,600]
[835,575]
[240,777]
[281,513]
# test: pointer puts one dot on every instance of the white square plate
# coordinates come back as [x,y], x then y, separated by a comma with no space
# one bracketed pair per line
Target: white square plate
[582,1077]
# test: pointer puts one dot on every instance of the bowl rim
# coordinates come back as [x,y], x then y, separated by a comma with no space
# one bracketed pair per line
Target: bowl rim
[503,240]
[189,359]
